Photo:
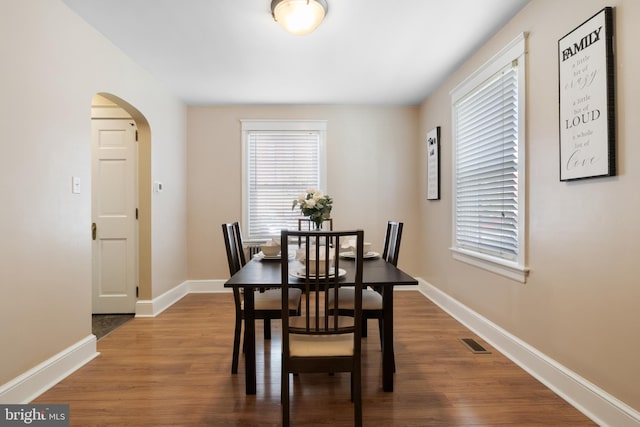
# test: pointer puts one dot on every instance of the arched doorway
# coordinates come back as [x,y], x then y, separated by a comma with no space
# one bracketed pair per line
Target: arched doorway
[121,198]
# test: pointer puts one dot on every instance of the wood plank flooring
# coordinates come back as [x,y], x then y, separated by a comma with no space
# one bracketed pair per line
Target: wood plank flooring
[174,370]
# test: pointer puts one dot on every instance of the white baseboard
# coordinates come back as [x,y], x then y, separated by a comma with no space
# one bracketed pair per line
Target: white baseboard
[26,387]
[151,308]
[31,384]
[601,407]
[196,286]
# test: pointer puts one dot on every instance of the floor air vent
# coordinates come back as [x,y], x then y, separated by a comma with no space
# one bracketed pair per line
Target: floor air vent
[474,346]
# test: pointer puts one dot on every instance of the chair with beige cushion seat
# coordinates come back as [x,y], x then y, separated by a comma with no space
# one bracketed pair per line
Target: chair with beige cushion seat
[268,303]
[321,340]
[372,298]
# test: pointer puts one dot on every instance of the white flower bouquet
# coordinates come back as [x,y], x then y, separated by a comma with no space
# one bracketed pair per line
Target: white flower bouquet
[315,205]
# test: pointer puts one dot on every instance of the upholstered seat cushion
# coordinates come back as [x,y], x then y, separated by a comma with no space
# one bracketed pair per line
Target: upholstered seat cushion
[271,299]
[371,300]
[321,345]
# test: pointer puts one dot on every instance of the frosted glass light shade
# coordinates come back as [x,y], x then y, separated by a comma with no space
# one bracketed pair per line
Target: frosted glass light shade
[299,16]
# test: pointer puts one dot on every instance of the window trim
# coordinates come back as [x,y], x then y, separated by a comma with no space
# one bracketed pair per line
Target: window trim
[249,125]
[515,270]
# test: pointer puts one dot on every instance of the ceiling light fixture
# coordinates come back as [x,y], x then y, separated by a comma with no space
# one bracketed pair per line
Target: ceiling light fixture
[299,16]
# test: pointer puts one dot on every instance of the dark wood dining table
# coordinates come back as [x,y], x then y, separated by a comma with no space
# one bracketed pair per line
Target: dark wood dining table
[263,273]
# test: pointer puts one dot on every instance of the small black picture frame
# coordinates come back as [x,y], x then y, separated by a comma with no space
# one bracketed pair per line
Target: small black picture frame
[433,164]
[587,99]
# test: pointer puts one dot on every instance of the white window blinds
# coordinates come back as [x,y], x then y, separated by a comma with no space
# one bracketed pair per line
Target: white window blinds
[281,166]
[486,167]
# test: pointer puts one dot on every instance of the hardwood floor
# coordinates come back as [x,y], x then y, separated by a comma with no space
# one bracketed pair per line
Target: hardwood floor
[174,370]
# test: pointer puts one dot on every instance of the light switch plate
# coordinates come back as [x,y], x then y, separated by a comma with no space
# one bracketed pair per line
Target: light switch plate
[75,185]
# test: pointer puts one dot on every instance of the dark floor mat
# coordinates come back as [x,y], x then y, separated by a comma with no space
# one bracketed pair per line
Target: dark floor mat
[102,324]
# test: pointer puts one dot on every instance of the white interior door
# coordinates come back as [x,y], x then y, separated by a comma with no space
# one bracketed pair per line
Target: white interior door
[114,211]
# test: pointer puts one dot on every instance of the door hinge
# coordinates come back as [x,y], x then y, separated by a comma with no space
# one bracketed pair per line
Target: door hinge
[136,135]
[136,213]
[136,292]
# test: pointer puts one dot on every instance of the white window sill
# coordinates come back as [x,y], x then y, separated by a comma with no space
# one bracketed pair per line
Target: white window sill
[509,269]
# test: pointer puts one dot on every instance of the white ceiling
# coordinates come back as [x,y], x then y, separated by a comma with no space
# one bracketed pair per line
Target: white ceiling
[217,52]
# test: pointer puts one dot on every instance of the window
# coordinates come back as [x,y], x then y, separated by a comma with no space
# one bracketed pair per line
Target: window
[281,160]
[488,170]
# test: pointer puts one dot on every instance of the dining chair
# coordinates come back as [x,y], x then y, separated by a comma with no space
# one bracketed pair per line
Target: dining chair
[321,340]
[268,302]
[372,298]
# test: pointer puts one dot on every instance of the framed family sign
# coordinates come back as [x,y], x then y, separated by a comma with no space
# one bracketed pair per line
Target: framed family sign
[433,164]
[587,99]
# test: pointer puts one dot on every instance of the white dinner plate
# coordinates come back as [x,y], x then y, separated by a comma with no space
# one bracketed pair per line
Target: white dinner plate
[352,255]
[260,255]
[300,274]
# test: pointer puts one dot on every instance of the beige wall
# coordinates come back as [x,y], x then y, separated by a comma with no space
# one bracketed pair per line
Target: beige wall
[372,173]
[52,66]
[580,303]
